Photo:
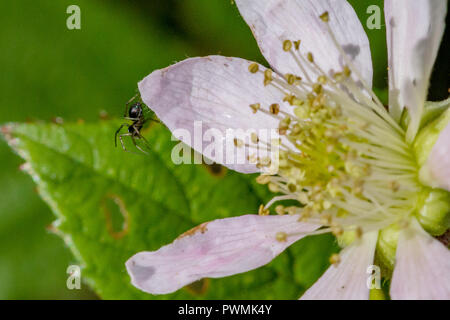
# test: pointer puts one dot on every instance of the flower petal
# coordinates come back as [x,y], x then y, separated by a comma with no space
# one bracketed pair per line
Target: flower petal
[438,163]
[347,281]
[422,266]
[212,250]
[210,95]
[272,22]
[414,31]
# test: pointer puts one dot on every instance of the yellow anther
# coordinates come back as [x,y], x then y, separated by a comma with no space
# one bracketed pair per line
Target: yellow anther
[255,107]
[292,187]
[267,76]
[297,44]
[322,79]
[280,210]
[326,219]
[290,78]
[281,236]
[238,142]
[317,88]
[274,108]
[273,187]
[254,137]
[337,231]
[253,67]
[289,98]
[287,45]
[310,57]
[347,71]
[263,179]
[335,259]
[338,76]
[325,17]
[262,211]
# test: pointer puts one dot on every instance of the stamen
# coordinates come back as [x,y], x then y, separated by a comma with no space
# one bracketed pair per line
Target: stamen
[343,158]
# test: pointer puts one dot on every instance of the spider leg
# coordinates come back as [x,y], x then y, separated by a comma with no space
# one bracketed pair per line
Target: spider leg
[140,136]
[117,132]
[128,104]
[136,145]
[123,144]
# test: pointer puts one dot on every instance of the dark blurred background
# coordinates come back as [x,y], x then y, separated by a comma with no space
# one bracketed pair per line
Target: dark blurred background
[48,71]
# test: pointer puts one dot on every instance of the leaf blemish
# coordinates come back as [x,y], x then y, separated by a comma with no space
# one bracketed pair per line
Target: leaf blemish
[117,219]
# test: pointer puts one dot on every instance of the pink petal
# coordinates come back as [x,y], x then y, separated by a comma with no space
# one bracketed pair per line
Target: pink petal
[347,281]
[414,31]
[422,266]
[438,163]
[272,22]
[218,92]
[212,250]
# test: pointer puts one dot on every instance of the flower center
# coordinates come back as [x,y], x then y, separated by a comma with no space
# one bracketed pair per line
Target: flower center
[341,155]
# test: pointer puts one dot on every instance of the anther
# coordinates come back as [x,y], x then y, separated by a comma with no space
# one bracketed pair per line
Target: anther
[325,17]
[273,187]
[253,68]
[274,108]
[322,79]
[255,107]
[335,259]
[310,57]
[263,179]
[238,142]
[297,44]
[262,211]
[347,71]
[280,210]
[254,137]
[287,45]
[281,236]
[267,77]
[290,78]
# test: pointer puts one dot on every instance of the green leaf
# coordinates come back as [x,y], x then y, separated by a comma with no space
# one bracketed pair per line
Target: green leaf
[111,204]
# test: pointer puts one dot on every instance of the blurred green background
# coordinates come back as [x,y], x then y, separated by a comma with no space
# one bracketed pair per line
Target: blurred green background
[48,71]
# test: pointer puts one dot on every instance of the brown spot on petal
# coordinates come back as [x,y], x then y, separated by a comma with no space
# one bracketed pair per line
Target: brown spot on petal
[200,228]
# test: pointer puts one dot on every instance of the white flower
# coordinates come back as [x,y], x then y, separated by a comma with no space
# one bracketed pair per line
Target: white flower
[343,156]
